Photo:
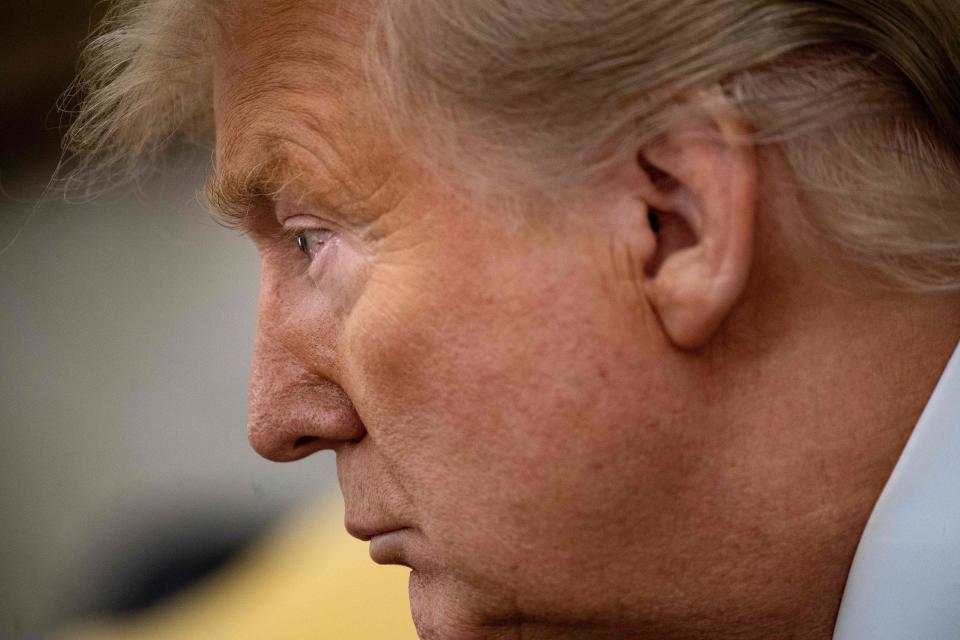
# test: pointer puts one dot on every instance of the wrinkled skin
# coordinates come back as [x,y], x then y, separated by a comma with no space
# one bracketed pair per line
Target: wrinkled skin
[505,393]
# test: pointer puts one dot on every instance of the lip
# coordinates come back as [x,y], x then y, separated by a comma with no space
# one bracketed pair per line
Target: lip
[390,547]
[388,544]
[367,533]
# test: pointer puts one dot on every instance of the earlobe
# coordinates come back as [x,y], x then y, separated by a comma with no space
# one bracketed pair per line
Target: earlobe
[699,180]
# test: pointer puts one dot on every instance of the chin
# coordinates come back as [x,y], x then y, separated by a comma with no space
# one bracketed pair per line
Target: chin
[445,610]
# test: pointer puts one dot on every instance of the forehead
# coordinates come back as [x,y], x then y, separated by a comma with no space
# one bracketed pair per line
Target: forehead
[290,102]
[295,44]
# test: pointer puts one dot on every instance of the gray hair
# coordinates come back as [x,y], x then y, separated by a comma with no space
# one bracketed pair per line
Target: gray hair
[522,96]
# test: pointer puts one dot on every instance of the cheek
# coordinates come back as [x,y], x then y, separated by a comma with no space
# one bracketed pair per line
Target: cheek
[415,356]
[496,377]
[515,403]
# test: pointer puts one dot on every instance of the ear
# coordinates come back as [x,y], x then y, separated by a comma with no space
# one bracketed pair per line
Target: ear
[699,182]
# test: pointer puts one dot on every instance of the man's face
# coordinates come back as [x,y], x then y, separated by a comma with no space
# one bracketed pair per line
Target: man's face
[501,401]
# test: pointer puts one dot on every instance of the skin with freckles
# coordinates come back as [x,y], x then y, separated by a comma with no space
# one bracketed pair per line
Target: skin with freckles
[567,423]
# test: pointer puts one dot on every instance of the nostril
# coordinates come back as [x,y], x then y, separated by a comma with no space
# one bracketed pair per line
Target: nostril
[304,441]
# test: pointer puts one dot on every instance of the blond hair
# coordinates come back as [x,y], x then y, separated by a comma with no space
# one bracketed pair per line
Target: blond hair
[144,81]
[537,95]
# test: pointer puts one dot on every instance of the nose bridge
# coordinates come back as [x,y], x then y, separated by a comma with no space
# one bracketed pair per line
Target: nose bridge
[295,335]
[296,405]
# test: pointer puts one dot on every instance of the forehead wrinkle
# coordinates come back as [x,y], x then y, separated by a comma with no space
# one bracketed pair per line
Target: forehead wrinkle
[334,146]
[288,76]
[299,43]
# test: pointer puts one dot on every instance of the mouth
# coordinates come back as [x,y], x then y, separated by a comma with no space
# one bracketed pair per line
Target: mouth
[367,533]
[391,547]
[387,545]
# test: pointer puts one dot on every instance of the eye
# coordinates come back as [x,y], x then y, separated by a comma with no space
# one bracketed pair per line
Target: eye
[311,241]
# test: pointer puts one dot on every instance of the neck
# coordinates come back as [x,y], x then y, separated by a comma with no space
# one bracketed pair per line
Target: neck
[841,376]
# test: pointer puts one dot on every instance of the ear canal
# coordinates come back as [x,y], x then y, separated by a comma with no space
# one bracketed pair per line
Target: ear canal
[653,217]
[673,234]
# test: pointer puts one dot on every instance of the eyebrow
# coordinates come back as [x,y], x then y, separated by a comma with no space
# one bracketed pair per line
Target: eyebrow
[231,192]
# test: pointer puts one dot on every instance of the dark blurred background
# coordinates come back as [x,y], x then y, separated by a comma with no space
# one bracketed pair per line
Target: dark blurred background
[40,42]
[125,335]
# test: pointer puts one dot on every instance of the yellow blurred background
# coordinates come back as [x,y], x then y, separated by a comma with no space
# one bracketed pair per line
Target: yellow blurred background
[305,581]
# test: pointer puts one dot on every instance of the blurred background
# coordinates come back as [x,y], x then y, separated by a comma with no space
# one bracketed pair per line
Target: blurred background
[126,330]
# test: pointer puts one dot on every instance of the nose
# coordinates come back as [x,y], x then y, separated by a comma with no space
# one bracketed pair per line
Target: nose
[294,412]
[296,407]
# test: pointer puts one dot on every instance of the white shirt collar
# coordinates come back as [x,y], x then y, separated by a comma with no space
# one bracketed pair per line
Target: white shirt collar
[905,579]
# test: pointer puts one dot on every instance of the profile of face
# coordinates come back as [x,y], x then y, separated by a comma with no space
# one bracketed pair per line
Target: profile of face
[539,414]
